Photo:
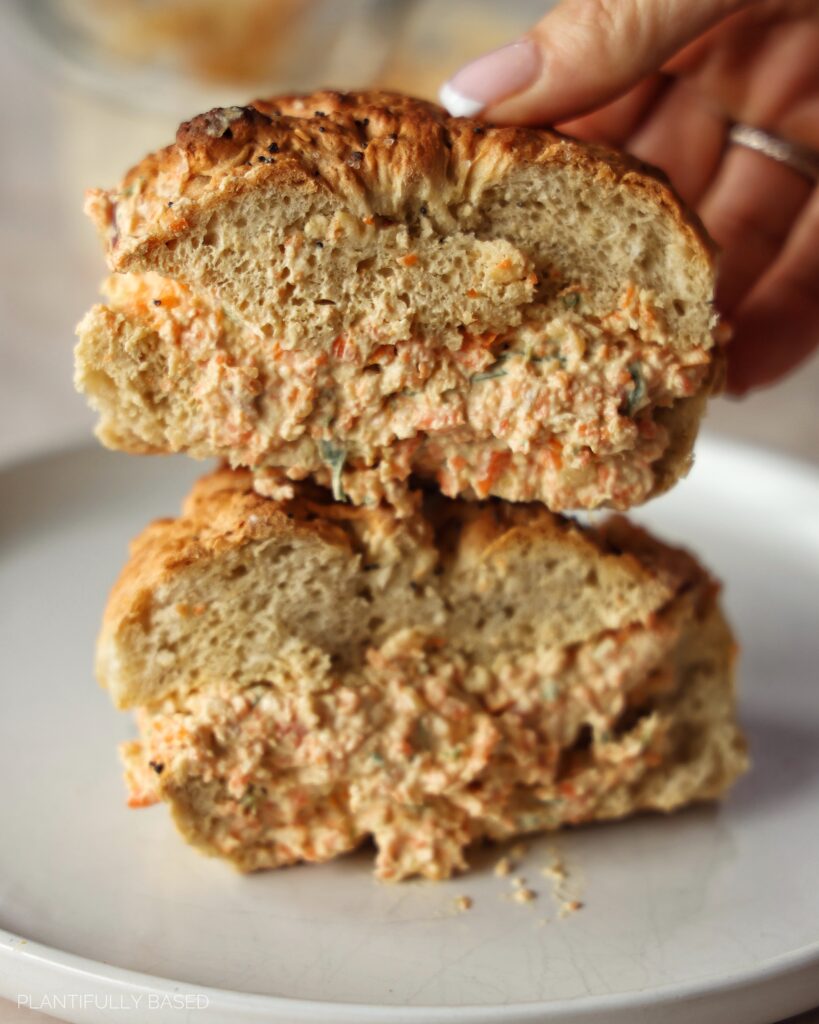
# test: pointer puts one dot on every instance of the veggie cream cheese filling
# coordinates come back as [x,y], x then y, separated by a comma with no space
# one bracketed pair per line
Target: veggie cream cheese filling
[422,749]
[562,408]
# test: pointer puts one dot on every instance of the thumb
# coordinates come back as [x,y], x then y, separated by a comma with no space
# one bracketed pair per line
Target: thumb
[583,54]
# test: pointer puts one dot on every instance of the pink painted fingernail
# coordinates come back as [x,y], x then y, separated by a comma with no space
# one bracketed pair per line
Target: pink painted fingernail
[491,78]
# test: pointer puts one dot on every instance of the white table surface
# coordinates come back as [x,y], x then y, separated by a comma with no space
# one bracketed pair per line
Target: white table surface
[56,140]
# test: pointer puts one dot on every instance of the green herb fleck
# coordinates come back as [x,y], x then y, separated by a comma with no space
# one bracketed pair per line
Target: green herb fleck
[251,799]
[495,370]
[639,391]
[376,758]
[549,690]
[255,693]
[549,357]
[334,455]
[571,300]
[530,822]
[420,738]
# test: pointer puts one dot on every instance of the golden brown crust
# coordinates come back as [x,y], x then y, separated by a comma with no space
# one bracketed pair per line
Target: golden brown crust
[385,154]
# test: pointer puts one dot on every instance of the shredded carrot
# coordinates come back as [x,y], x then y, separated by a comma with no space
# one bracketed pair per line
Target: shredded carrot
[142,800]
[472,294]
[409,260]
[383,354]
[504,264]
[177,224]
[474,343]
[369,219]
[344,350]
[556,452]
[498,461]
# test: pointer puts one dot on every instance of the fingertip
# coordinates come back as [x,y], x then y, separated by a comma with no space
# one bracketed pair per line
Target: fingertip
[456,104]
[486,82]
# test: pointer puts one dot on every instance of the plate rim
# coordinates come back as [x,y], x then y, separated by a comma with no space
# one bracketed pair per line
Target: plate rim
[39,960]
[125,981]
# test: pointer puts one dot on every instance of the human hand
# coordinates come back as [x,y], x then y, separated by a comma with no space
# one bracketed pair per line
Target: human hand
[666,79]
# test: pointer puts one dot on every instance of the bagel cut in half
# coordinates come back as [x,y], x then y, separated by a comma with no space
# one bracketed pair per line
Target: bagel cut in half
[360,289]
[308,675]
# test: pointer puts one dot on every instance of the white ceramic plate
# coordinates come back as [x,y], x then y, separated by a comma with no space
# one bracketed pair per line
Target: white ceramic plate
[711,915]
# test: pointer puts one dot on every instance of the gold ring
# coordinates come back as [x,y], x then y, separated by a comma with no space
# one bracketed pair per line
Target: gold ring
[802,159]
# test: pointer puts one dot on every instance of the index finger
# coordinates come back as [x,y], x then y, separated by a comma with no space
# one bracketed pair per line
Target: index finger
[583,54]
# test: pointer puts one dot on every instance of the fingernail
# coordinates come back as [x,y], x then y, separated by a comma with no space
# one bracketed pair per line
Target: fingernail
[491,78]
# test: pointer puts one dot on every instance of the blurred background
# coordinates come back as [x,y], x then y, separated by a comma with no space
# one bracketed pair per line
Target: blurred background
[92,85]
